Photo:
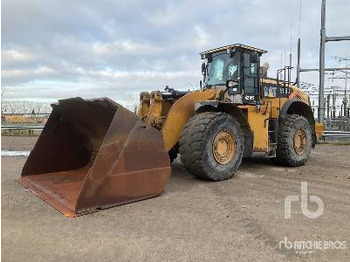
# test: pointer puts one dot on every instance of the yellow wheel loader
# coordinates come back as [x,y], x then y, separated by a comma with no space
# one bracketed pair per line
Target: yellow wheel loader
[94,154]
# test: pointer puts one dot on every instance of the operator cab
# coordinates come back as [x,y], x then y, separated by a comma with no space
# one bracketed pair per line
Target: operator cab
[235,67]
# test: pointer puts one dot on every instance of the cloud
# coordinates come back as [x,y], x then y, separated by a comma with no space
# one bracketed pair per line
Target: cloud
[60,48]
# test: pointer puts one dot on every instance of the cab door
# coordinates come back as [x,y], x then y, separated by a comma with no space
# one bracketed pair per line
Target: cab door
[250,78]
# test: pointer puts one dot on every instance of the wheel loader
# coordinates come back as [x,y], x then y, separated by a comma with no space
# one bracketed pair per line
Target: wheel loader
[95,154]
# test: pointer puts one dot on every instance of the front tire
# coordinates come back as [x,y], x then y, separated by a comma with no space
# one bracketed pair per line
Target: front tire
[212,146]
[294,141]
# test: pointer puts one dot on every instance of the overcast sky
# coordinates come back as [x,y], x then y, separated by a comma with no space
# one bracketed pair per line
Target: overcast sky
[115,48]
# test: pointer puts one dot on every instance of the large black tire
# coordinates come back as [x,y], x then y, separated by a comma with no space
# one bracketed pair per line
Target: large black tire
[196,145]
[288,152]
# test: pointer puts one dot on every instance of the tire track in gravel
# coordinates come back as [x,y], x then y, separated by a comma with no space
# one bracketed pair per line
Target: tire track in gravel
[249,224]
[282,187]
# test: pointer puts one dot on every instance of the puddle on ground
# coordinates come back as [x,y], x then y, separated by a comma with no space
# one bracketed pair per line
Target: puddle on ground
[15,153]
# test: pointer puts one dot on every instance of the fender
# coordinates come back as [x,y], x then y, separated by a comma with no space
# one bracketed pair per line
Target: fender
[180,112]
[232,109]
[296,106]
[227,107]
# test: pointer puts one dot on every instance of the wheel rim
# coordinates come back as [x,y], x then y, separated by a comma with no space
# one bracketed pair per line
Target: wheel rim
[224,147]
[300,141]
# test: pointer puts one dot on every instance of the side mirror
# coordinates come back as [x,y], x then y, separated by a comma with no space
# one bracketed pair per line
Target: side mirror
[203,68]
[254,57]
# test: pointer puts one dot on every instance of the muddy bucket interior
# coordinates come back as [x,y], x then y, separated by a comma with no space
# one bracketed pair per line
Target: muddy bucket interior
[95,154]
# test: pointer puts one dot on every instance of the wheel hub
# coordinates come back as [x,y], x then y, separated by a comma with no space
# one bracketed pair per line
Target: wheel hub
[224,147]
[300,141]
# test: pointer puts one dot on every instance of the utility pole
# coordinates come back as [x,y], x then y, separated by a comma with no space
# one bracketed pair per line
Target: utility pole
[323,40]
[322,63]
[328,104]
[334,108]
[345,100]
[298,63]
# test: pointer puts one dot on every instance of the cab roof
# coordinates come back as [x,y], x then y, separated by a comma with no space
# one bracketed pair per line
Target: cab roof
[231,47]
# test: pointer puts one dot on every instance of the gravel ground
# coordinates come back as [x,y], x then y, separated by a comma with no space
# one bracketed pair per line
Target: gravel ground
[18,143]
[241,219]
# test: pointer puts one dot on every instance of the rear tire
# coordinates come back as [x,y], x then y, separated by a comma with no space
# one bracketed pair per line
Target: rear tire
[294,141]
[212,146]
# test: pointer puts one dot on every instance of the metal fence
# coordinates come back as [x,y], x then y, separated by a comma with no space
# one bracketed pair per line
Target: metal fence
[337,124]
[13,130]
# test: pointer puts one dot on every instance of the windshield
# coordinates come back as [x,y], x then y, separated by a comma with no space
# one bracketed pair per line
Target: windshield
[221,68]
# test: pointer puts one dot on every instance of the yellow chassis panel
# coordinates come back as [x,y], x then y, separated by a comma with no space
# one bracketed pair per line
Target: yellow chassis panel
[181,111]
[170,118]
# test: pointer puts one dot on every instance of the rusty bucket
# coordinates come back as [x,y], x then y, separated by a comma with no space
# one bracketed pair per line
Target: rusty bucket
[95,154]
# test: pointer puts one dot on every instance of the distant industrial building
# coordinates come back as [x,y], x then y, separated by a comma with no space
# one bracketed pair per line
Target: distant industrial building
[334,99]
